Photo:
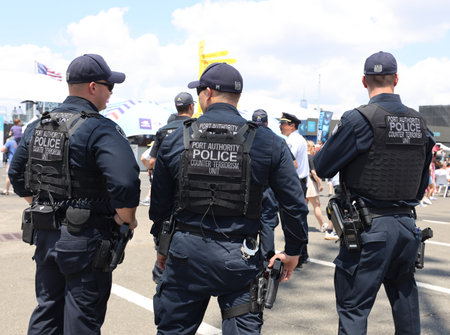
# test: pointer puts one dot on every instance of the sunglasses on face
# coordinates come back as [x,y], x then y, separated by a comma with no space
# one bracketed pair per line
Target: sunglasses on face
[109,85]
[199,89]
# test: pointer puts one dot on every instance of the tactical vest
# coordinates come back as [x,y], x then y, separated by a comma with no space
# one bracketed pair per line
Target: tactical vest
[48,167]
[215,170]
[392,168]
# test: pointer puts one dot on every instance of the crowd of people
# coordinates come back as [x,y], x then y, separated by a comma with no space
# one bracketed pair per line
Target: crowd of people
[9,148]
[439,176]
[220,185]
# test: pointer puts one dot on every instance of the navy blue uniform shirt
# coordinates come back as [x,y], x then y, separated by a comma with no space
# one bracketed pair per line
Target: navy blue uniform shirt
[271,164]
[162,132]
[354,137]
[98,144]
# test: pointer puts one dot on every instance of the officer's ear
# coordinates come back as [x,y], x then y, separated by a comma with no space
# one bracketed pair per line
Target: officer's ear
[208,93]
[92,86]
[396,79]
[364,81]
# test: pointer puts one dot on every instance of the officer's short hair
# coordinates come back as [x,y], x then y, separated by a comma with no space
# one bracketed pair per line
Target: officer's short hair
[380,80]
[182,109]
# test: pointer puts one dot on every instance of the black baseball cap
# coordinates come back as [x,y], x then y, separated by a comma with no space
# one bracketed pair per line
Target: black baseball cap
[380,63]
[291,118]
[92,67]
[220,77]
[259,116]
[183,99]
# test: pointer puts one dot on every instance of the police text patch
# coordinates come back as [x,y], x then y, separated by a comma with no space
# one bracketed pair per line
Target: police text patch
[404,130]
[215,159]
[47,145]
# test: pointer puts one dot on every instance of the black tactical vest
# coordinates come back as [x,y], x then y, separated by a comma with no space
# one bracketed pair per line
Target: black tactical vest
[392,168]
[48,167]
[215,170]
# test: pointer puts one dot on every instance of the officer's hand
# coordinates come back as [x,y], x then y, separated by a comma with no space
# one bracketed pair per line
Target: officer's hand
[120,222]
[161,261]
[290,262]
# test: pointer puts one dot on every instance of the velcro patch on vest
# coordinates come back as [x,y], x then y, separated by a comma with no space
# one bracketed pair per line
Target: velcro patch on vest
[205,126]
[215,159]
[48,145]
[404,130]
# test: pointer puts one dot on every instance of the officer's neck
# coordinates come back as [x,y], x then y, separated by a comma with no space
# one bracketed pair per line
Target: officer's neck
[380,90]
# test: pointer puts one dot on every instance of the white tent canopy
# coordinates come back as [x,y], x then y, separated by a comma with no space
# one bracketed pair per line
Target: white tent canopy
[138,117]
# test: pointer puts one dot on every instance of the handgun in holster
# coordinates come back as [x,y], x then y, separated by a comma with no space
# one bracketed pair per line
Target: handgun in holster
[274,275]
[118,252]
[420,258]
[346,223]
[109,253]
[165,236]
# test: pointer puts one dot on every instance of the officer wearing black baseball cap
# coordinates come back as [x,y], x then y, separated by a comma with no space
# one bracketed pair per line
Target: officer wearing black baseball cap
[85,169]
[260,117]
[382,152]
[209,176]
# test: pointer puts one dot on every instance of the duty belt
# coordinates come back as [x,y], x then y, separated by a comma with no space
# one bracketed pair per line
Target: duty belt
[96,221]
[186,228]
[377,212]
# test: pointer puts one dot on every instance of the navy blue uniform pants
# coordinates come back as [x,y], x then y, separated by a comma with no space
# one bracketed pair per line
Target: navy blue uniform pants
[76,307]
[389,249]
[196,269]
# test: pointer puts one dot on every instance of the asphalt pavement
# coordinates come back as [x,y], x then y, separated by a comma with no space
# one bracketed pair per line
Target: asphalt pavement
[305,304]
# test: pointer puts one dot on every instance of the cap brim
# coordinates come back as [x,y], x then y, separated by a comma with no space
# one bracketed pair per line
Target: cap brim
[194,84]
[116,77]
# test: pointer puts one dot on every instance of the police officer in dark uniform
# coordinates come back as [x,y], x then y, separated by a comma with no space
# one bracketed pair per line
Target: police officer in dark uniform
[209,176]
[79,174]
[269,208]
[184,103]
[382,151]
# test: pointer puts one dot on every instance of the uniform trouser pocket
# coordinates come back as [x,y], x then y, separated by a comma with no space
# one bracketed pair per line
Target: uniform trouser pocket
[74,253]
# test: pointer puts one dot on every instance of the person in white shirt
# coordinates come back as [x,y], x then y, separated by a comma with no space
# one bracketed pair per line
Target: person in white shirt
[297,143]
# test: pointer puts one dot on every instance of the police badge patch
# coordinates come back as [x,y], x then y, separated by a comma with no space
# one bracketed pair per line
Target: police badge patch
[404,130]
[121,132]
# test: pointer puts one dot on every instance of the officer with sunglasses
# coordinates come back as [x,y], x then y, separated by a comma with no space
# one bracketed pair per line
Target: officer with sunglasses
[78,172]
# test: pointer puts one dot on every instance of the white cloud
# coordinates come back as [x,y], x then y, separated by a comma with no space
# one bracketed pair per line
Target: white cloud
[282,47]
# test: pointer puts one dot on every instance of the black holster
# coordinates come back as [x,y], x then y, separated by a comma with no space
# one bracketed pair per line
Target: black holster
[27,227]
[165,236]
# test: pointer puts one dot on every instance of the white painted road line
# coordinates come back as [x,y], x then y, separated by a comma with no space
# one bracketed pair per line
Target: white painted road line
[439,222]
[147,303]
[434,288]
[420,284]
[438,243]
[206,329]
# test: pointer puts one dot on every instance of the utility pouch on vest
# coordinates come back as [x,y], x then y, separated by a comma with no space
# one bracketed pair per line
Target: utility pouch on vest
[165,236]
[77,219]
[27,226]
[102,256]
[44,217]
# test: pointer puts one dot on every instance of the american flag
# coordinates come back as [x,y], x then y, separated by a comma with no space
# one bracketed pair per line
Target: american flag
[42,69]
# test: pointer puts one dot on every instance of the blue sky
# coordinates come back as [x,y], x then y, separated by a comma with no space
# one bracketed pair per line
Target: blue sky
[282,48]
[43,21]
